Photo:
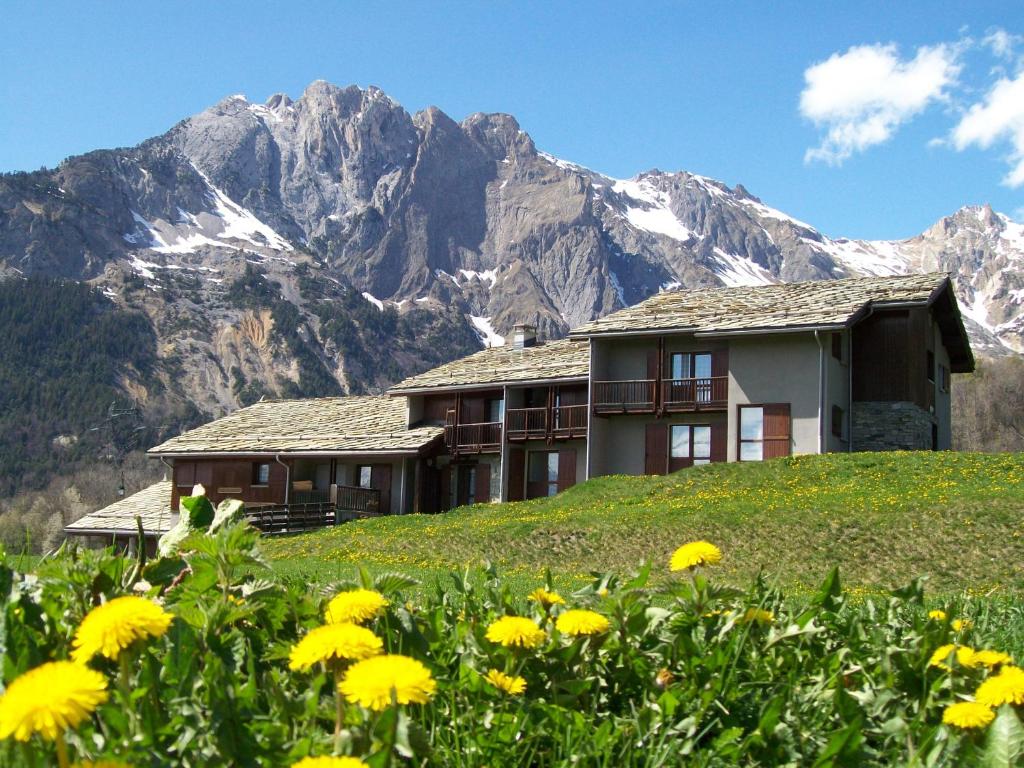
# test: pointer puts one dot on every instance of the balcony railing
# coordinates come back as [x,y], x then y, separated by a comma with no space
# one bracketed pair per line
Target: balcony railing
[569,421]
[560,422]
[527,423]
[632,396]
[483,437]
[351,503]
[695,394]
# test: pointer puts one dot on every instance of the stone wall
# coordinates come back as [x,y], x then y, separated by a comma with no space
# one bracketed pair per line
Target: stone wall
[899,426]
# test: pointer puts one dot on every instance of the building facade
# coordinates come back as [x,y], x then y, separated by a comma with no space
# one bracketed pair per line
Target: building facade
[682,379]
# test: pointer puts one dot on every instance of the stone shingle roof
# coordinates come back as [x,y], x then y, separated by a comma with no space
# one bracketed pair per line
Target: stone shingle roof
[767,307]
[355,424]
[152,504]
[554,360]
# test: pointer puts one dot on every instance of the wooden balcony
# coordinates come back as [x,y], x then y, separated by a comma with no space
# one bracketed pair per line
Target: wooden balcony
[705,394]
[309,514]
[560,422]
[484,437]
[632,396]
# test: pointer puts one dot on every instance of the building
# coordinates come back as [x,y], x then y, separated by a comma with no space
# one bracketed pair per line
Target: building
[683,378]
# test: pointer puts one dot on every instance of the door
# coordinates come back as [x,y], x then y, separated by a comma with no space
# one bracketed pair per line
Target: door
[380,479]
[566,468]
[542,474]
[516,473]
[655,453]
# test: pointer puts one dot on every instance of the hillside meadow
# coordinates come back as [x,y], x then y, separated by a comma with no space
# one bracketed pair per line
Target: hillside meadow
[956,519]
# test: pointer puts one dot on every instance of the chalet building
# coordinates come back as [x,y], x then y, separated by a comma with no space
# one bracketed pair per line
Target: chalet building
[683,378]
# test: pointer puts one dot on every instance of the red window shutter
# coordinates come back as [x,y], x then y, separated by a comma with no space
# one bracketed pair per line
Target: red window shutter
[777,435]
[566,469]
[720,362]
[516,473]
[656,449]
[482,492]
[719,441]
[652,364]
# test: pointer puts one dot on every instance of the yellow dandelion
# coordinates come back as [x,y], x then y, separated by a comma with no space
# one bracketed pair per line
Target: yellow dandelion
[374,682]
[937,615]
[602,592]
[961,624]
[546,598]
[334,642]
[510,684]
[50,699]
[968,714]
[694,554]
[582,622]
[757,615]
[991,659]
[110,628]
[330,762]
[964,657]
[1005,688]
[357,606]
[516,631]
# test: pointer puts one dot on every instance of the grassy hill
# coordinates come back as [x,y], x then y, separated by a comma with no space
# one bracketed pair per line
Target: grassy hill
[884,518]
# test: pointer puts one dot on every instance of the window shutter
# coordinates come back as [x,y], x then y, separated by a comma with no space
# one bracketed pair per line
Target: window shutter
[720,362]
[776,430]
[719,441]
[656,449]
[566,469]
[482,492]
[516,473]
[652,364]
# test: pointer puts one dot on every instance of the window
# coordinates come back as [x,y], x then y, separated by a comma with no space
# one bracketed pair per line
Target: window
[930,363]
[364,476]
[260,474]
[837,421]
[837,346]
[688,441]
[751,433]
[764,431]
[543,472]
[691,366]
[494,409]
[943,378]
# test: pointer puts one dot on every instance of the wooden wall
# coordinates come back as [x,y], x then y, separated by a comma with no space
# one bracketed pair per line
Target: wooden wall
[890,353]
[228,478]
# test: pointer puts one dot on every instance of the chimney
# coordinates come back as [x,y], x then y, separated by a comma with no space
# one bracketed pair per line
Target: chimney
[524,335]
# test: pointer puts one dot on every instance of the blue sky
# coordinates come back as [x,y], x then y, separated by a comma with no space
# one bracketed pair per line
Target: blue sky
[854,117]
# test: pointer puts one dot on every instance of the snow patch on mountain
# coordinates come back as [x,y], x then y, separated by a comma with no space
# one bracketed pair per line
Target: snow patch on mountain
[737,270]
[655,212]
[486,332]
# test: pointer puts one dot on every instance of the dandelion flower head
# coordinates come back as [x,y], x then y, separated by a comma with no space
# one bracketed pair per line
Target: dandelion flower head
[1005,688]
[110,628]
[330,762]
[582,622]
[694,554]
[356,605]
[516,631]
[373,682]
[334,642]
[546,598]
[510,684]
[50,699]
[968,714]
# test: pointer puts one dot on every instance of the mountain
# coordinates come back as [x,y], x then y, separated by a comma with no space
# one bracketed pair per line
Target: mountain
[336,243]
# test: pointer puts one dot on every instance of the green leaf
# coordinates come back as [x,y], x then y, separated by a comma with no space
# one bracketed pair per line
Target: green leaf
[830,593]
[1004,742]
[228,511]
[198,510]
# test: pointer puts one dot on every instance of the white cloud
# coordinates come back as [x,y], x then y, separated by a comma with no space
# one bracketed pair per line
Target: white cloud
[864,95]
[1002,43]
[998,117]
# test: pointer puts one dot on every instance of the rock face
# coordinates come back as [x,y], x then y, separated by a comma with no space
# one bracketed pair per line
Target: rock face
[250,233]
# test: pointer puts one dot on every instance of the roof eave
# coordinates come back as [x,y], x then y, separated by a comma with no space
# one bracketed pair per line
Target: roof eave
[398,392]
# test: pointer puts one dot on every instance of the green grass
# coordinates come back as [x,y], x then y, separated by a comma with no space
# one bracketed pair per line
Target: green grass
[883,518]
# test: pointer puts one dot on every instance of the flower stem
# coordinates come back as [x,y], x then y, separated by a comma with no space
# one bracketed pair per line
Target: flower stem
[339,711]
[62,752]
